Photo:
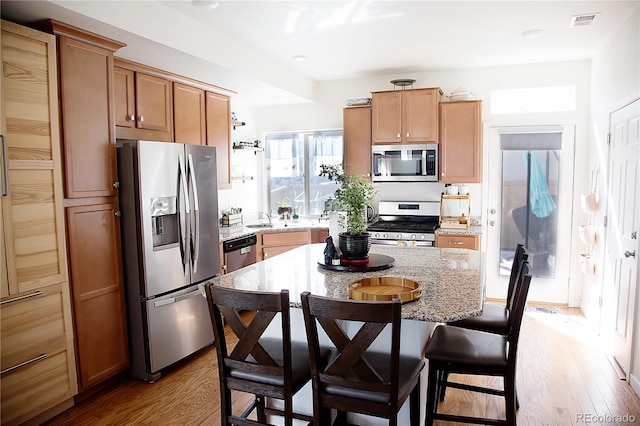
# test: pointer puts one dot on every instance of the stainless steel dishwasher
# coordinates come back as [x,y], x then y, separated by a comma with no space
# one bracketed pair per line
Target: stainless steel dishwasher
[239,252]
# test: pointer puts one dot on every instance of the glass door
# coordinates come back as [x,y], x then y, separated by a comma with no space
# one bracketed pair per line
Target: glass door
[530,186]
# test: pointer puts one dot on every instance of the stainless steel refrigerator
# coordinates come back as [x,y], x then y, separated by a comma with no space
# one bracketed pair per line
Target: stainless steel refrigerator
[170,243]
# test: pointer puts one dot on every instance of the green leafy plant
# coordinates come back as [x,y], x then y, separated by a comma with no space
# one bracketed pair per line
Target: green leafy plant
[285,202]
[354,194]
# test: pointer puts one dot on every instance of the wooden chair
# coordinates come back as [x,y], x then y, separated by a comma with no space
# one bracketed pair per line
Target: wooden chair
[264,366]
[355,378]
[472,352]
[494,317]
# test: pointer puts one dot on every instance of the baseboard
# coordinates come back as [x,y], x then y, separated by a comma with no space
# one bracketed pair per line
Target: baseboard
[635,383]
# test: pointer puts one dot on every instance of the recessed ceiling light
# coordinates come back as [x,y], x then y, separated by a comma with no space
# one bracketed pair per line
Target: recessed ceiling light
[300,58]
[535,33]
[205,4]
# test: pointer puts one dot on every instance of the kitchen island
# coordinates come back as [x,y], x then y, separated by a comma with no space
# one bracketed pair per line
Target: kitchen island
[452,288]
[452,279]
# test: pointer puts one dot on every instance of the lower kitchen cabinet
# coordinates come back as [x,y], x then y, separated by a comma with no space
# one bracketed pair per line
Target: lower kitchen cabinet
[38,366]
[318,235]
[280,242]
[98,292]
[458,241]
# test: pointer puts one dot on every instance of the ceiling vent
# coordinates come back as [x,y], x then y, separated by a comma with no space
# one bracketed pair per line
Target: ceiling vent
[582,20]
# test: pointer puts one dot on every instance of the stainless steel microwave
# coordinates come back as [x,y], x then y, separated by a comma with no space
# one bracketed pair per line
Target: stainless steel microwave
[404,163]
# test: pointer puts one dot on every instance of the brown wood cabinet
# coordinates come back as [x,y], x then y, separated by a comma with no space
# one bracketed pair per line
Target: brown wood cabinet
[318,235]
[461,142]
[405,116]
[36,336]
[86,86]
[148,102]
[98,292]
[275,243]
[356,126]
[458,241]
[93,230]
[189,123]
[218,109]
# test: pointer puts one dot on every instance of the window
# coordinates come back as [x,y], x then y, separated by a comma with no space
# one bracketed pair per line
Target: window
[530,170]
[293,166]
[539,99]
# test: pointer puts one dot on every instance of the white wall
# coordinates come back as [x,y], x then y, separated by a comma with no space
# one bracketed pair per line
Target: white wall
[615,82]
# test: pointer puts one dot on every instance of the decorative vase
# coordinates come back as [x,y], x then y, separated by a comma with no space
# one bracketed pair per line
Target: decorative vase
[354,246]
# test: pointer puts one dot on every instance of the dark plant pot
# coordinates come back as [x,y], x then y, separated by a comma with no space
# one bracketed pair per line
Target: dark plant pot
[354,246]
[282,211]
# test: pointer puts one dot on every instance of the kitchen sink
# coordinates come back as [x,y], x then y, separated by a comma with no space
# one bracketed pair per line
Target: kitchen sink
[260,225]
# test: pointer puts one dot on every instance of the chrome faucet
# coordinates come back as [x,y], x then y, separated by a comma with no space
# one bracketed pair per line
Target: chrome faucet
[262,214]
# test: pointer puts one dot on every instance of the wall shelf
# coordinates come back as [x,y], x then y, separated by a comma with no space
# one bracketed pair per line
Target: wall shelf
[243,178]
[236,123]
[248,148]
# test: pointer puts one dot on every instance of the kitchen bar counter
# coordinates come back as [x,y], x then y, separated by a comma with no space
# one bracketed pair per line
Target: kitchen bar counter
[452,279]
[230,232]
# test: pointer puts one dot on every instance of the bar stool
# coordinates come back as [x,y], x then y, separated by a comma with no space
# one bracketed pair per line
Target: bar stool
[472,352]
[355,378]
[264,366]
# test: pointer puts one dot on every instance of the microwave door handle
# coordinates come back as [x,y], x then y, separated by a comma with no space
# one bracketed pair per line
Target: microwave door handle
[424,162]
[183,230]
[196,215]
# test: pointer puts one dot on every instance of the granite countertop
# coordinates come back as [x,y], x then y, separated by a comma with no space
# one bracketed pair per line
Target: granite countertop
[452,279]
[471,230]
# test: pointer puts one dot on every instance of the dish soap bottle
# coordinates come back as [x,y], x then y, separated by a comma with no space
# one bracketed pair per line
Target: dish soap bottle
[295,216]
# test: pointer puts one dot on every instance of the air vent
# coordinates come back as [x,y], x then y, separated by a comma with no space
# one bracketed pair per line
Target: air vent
[582,20]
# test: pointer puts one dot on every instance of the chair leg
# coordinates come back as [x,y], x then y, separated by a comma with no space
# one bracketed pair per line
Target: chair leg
[262,418]
[432,395]
[442,384]
[414,407]
[510,397]
[288,412]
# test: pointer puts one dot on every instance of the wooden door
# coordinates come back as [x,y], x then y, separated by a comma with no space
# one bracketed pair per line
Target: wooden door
[420,114]
[87,119]
[153,103]
[218,113]
[357,140]
[623,225]
[32,209]
[189,114]
[98,292]
[124,97]
[460,142]
[386,117]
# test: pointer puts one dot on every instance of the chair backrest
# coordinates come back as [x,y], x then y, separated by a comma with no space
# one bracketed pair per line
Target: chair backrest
[248,354]
[348,368]
[521,255]
[515,316]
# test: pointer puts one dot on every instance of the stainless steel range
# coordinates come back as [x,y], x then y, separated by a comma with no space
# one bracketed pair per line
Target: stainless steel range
[405,223]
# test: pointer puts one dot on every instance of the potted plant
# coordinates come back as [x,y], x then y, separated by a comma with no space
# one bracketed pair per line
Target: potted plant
[284,208]
[353,194]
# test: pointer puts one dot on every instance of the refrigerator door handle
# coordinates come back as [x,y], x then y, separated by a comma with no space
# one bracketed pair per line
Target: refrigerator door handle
[196,214]
[189,295]
[168,301]
[183,229]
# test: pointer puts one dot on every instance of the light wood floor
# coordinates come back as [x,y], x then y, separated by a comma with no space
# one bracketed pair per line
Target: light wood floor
[562,375]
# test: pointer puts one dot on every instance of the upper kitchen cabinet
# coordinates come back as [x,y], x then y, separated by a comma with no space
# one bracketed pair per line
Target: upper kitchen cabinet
[461,142]
[218,108]
[189,114]
[356,126]
[405,116]
[86,103]
[36,335]
[144,109]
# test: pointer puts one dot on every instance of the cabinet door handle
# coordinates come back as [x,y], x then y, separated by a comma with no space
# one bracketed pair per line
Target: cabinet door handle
[141,118]
[398,135]
[455,243]
[407,134]
[5,167]
[131,117]
[24,363]
[26,296]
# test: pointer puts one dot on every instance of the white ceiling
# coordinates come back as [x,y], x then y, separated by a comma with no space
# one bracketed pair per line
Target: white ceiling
[248,46]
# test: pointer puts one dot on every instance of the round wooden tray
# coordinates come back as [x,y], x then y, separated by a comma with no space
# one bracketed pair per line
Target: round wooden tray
[377,262]
[385,289]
